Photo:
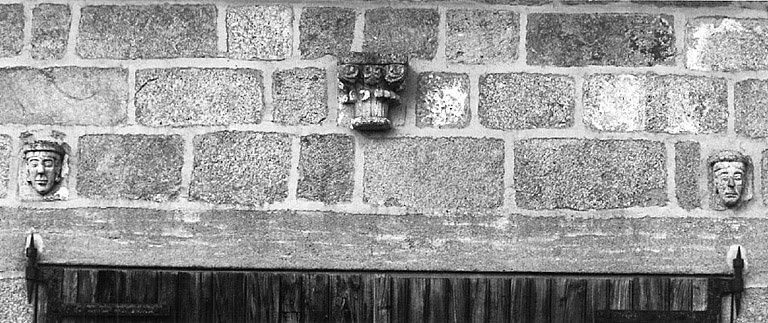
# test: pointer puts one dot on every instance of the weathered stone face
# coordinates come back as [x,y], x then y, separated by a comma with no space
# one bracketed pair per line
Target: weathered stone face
[326,168]
[443,100]
[726,44]
[43,170]
[50,30]
[589,174]
[326,31]
[147,31]
[600,39]
[299,96]
[526,101]
[11,29]
[410,31]
[259,32]
[481,36]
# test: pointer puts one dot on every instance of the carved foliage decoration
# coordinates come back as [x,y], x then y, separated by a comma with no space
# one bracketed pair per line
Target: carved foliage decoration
[371,82]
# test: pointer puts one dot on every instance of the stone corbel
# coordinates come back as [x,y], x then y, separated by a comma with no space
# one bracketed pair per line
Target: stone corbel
[372,82]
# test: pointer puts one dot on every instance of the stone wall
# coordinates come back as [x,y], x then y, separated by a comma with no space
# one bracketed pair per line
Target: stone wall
[535,136]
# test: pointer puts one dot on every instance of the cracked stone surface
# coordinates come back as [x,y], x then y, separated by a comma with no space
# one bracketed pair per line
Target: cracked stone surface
[11,29]
[726,44]
[13,301]
[50,30]
[135,167]
[241,167]
[443,100]
[63,96]
[299,96]
[751,104]
[482,36]
[180,97]
[656,103]
[448,173]
[326,168]
[147,31]
[260,32]
[584,174]
[526,101]
[600,39]
[412,31]
[326,31]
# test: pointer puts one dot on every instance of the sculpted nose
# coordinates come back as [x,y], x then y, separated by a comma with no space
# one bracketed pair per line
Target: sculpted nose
[39,169]
[731,182]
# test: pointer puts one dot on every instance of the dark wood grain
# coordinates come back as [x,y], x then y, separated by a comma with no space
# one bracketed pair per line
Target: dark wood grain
[418,292]
[317,306]
[188,297]
[681,294]
[382,298]
[541,307]
[699,294]
[498,300]
[620,294]
[576,295]
[291,303]
[437,301]
[478,293]
[400,299]
[458,300]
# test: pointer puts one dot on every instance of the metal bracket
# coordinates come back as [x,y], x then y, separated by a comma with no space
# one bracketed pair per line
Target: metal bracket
[31,273]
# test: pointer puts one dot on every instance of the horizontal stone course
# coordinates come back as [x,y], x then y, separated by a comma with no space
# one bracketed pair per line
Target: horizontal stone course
[11,29]
[466,241]
[50,30]
[179,97]
[751,105]
[412,31]
[526,101]
[726,44]
[147,31]
[656,103]
[583,174]
[441,173]
[482,36]
[240,167]
[260,32]
[326,168]
[136,167]
[63,96]
[600,39]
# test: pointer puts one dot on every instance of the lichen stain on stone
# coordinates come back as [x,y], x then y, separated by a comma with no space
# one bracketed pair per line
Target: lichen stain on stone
[709,44]
[617,105]
[446,105]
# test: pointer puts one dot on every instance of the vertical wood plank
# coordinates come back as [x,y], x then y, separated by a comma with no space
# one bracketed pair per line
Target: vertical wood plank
[458,304]
[651,293]
[520,300]
[346,293]
[437,301]
[69,290]
[109,284]
[699,294]
[559,300]
[478,291]
[418,291]
[166,293]
[262,297]
[207,302]
[498,300]
[316,299]
[541,308]
[290,298]
[681,297]
[228,297]
[188,298]
[620,294]
[382,298]
[400,299]
[576,295]
[597,297]
[86,290]
[140,288]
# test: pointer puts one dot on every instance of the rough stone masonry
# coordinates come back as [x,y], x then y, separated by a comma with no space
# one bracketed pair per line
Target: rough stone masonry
[534,136]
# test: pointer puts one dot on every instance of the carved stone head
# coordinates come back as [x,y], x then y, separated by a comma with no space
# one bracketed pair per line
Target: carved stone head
[730,176]
[44,167]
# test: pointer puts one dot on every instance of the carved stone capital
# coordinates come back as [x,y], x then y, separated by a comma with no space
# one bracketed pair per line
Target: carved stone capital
[371,82]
